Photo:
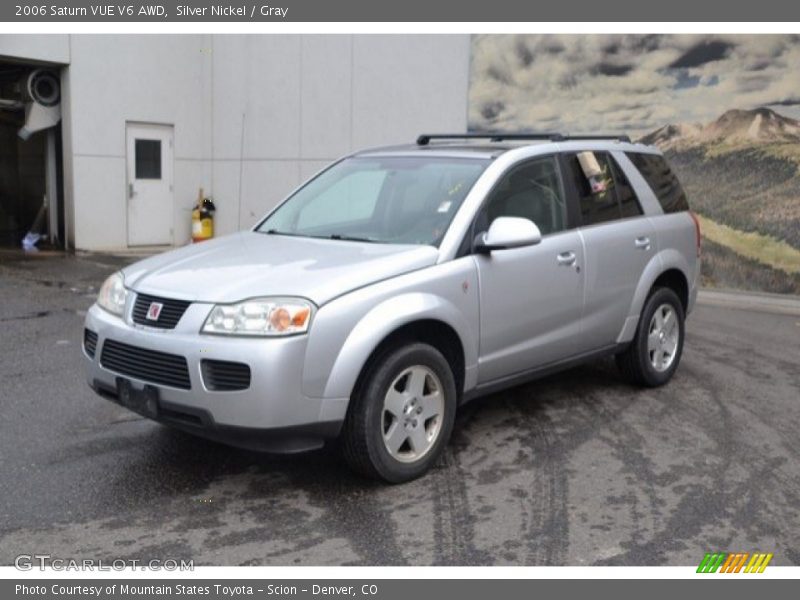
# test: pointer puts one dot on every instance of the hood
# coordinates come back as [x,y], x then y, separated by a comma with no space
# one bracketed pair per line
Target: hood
[248,265]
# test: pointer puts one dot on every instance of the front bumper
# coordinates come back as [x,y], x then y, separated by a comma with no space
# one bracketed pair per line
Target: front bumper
[271,414]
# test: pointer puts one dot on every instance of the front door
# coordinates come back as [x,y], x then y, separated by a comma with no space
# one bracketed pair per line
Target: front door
[531,298]
[149,190]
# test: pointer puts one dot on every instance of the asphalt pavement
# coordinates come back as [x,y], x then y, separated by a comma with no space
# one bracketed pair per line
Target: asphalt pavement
[576,469]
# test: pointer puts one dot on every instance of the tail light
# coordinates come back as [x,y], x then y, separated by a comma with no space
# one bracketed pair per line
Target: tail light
[698,236]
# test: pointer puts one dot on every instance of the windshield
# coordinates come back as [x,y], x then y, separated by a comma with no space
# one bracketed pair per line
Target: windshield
[393,200]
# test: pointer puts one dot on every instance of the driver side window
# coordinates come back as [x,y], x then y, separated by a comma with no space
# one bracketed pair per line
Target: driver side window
[531,191]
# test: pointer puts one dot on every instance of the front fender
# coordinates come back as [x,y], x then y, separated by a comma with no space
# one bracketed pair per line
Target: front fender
[666,259]
[385,318]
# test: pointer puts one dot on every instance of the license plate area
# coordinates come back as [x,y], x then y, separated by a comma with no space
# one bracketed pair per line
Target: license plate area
[143,401]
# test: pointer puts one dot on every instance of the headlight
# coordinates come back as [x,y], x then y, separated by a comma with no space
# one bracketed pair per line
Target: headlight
[260,317]
[113,295]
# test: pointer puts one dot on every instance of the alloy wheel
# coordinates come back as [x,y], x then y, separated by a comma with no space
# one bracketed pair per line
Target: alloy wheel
[662,338]
[413,410]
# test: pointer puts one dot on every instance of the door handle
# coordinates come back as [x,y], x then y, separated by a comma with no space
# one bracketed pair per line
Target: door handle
[566,259]
[131,193]
[643,243]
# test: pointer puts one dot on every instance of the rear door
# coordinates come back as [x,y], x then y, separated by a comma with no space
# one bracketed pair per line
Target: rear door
[618,241]
[530,298]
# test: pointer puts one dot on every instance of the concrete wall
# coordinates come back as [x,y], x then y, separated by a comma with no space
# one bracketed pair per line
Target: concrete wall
[253,115]
[119,79]
[46,48]
[307,100]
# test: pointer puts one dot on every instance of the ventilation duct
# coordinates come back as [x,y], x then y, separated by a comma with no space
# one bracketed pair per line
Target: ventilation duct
[42,94]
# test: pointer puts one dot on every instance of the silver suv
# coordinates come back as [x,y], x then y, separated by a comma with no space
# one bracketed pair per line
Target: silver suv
[399,283]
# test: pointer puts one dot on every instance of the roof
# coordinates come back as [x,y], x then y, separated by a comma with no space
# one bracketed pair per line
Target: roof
[450,149]
[484,149]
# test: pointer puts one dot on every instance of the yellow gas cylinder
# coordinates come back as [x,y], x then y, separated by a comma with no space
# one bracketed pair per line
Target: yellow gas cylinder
[197,226]
[203,221]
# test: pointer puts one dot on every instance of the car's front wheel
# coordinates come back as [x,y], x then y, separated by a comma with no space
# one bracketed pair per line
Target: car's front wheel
[653,356]
[402,414]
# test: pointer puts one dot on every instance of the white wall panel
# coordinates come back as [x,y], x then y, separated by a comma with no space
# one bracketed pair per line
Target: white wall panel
[190,175]
[406,84]
[48,48]
[264,184]
[309,168]
[306,100]
[257,78]
[326,102]
[146,78]
[225,174]
[99,202]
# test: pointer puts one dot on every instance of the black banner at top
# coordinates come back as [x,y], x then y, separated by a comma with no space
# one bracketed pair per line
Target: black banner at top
[188,11]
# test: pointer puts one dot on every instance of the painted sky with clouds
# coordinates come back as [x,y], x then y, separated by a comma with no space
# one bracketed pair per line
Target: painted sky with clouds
[627,83]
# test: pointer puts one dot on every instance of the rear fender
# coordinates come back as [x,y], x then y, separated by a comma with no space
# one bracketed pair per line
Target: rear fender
[667,259]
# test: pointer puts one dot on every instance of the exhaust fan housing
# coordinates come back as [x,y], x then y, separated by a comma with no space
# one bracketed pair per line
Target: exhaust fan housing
[42,91]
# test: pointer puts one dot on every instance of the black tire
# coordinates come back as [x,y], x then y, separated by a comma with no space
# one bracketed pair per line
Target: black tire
[634,362]
[362,436]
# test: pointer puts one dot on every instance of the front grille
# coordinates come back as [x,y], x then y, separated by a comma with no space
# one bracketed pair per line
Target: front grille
[89,342]
[224,376]
[147,365]
[171,311]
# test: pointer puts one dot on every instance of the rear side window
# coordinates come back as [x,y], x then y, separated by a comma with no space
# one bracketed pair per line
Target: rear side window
[598,199]
[604,193]
[628,202]
[662,181]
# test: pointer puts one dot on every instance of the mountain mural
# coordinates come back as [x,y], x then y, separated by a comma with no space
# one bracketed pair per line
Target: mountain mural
[725,110]
[742,174]
[736,127]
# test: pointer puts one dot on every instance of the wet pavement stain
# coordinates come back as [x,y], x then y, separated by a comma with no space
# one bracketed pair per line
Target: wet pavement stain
[36,315]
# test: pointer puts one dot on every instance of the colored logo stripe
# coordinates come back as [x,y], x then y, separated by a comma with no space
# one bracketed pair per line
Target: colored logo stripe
[711,562]
[758,563]
[734,562]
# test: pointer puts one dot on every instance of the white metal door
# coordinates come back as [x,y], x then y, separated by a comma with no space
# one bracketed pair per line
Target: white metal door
[149,191]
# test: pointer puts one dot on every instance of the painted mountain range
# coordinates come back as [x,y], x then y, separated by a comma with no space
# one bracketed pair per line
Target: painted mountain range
[742,175]
[733,129]
[725,109]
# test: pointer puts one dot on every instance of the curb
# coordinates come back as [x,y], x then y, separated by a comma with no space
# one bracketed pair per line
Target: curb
[761,302]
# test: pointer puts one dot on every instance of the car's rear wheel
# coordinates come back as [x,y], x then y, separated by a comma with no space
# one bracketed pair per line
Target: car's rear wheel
[653,356]
[401,415]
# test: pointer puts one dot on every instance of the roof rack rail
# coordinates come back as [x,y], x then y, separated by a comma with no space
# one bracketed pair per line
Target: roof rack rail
[621,138]
[425,138]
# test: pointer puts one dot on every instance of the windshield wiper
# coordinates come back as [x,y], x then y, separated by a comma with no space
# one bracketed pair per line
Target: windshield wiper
[351,238]
[333,236]
[289,233]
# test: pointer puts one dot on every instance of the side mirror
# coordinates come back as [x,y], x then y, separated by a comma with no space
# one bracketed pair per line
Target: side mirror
[506,233]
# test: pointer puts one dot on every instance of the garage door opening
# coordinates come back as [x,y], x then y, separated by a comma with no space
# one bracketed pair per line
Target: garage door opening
[31,172]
